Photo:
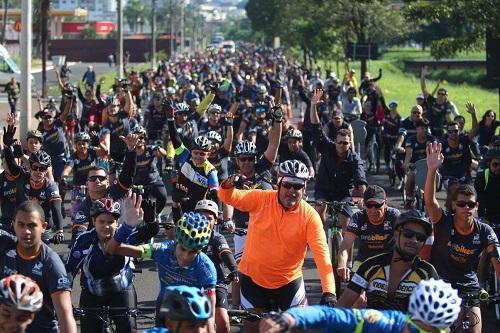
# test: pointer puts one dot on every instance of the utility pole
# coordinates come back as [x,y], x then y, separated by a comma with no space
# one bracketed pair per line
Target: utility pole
[26,38]
[182,27]
[153,33]
[45,6]
[119,46]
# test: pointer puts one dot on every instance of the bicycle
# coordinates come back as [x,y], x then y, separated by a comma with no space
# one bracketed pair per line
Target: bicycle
[373,155]
[246,315]
[107,313]
[465,324]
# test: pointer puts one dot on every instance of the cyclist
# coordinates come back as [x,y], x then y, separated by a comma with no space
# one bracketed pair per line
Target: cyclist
[415,150]
[98,186]
[339,171]
[294,151]
[283,224]
[186,129]
[487,128]
[408,128]
[372,124]
[219,154]
[194,169]
[335,124]
[107,280]
[155,117]
[180,261]
[456,150]
[459,238]
[34,184]
[212,122]
[186,309]
[20,300]
[26,254]
[374,225]
[219,252]
[13,90]
[388,278]
[146,173]
[351,105]
[391,125]
[434,306]
[487,185]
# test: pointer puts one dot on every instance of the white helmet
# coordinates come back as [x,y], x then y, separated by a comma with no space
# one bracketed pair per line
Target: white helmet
[245,147]
[434,302]
[213,135]
[215,108]
[201,143]
[209,205]
[294,169]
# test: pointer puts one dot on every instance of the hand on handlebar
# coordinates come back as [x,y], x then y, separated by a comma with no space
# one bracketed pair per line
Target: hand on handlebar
[344,273]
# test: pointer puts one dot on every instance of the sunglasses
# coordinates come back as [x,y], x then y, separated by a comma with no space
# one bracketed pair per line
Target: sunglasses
[337,118]
[47,117]
[452,131]
[39,168]
[199,153]
[345,143]
[246,159]
[462,204]
[374,205]
[407,233]
[94,178]
[418,113]
[295,186]
[141,138]
[442,94]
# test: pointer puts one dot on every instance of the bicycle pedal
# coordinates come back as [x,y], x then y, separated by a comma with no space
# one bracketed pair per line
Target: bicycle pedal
[236,320]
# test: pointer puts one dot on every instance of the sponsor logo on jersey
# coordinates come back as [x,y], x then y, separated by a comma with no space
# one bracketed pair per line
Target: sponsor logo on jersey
[476,239]
[372,316]
[461,249]
[37,269]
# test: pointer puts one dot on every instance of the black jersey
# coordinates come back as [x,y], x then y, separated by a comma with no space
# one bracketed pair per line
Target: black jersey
[146,171]
[81,167]
[457,160]
[419,148]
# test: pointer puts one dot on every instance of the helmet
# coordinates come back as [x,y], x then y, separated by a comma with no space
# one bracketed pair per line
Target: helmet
[185,303]
[294,169]
[202,143]
[140,130]
[416,216]
[261,89]
[34,134]
[213,135]
[181,107]
[214,108]
[245,148]
[41,157]
[493,153]
[193,231]
[207,205]
[105,205]
[112,99]
[52,101]
[82,136]
[393,104]
[21,292]
[171,91]
[294,134]
[435,303]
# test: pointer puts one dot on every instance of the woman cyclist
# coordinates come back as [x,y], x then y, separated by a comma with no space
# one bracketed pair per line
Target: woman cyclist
[107,280]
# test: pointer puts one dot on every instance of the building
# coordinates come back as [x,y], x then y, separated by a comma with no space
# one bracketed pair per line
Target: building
[98,10]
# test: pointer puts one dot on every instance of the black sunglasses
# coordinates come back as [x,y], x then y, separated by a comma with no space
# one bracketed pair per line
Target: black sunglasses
[246,159]
[453,131]
[40,168]
[47,117]
[290,185]
[407,233]
[462,204]
[94,178]
[374,205]
[345,143]
[419,113]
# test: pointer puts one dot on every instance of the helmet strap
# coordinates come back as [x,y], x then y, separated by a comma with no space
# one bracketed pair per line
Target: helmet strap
[402,255]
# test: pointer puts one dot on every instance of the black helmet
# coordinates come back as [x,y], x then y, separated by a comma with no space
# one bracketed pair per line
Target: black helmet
[82,136]
[35,135]
[140,130]
[40,157]
[416,216]
[493,153]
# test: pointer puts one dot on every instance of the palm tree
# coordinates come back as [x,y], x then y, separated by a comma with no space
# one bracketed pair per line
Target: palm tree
[5,9]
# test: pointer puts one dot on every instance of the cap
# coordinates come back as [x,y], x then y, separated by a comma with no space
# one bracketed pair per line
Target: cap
[337,114]
[393,104]
[420,96]
[375,193]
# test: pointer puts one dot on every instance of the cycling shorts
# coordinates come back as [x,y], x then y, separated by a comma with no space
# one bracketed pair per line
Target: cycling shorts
[221,296]
[283,298]
[239,246]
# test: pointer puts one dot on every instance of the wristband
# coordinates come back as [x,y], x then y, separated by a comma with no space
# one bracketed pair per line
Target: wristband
[123,233]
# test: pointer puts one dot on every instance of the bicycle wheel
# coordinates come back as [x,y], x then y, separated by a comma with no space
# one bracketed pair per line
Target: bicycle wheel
[336,240]
[377,157]
[496,306]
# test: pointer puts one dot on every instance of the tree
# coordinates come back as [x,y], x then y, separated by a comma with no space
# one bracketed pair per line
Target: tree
[4,25]
[89,32]
[136,11]
[467,22]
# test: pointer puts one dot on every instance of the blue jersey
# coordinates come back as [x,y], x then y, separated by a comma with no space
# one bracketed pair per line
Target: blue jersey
[156,330]
[200,273]
[341,320]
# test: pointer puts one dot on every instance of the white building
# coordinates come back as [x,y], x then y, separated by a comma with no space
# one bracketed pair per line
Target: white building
[98,10]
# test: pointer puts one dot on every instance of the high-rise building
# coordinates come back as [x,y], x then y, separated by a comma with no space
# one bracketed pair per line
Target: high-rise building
[98,10]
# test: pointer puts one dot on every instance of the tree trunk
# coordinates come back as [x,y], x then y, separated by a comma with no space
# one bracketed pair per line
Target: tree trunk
[44,34]
[304,52]
[5,9]
[364,68]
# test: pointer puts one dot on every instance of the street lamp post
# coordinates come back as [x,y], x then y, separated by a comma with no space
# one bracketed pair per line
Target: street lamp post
[26,38]
[153,33]
[119,46]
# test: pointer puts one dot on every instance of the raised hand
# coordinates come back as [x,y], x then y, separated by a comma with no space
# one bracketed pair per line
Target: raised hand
[425,71]
[133,211]
[317,95]
[130,140]
[149,209]
[179,193]
[8,135]
[470,107]
[434,157]
[11,119]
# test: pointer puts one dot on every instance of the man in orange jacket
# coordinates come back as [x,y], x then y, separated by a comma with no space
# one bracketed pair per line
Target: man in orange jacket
[280,228]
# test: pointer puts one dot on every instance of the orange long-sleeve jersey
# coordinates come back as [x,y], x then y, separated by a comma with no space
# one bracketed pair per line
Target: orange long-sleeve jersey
[277,239]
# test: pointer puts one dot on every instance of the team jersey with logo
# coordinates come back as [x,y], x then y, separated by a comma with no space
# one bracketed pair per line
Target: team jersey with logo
[146,171]
[419,148]
[372,276]
[54,140]
[457,160]
[81,167]
[374,238]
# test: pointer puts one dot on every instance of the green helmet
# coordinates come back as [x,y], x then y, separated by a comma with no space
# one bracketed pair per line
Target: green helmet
[193,231]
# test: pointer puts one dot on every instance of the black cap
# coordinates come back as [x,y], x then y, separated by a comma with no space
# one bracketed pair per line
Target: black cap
[375,193]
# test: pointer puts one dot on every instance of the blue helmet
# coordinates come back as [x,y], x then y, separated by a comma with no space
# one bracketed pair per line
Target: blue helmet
[193,231]
[185,303]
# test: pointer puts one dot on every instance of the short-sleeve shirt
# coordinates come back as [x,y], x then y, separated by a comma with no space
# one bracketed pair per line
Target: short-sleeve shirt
[47,270]
[200,273]
[373,277]
[8,188]
[146,171]
[374,238]
[81,167]
[214,250]
[457,160]
[419,148]
[122,127]
[220,162]
[54,140]
[299,155]
[456,256]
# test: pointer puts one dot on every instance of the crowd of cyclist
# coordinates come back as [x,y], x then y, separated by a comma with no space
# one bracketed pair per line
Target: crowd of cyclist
[216,138]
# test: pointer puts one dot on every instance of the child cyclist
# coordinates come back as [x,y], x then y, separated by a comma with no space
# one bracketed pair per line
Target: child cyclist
[180,261]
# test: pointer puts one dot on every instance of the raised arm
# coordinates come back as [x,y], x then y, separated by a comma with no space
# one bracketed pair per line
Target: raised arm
[316,98]
[475,124]
[228,141]
[423,74]
[275,132]
[434,162]
[58,78]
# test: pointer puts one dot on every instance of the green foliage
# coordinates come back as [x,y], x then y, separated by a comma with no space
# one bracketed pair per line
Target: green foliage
[137,11]
[89,32]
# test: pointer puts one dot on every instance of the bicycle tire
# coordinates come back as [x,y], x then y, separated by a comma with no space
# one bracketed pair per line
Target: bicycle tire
[496,306]
[335,247]
[377,158]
